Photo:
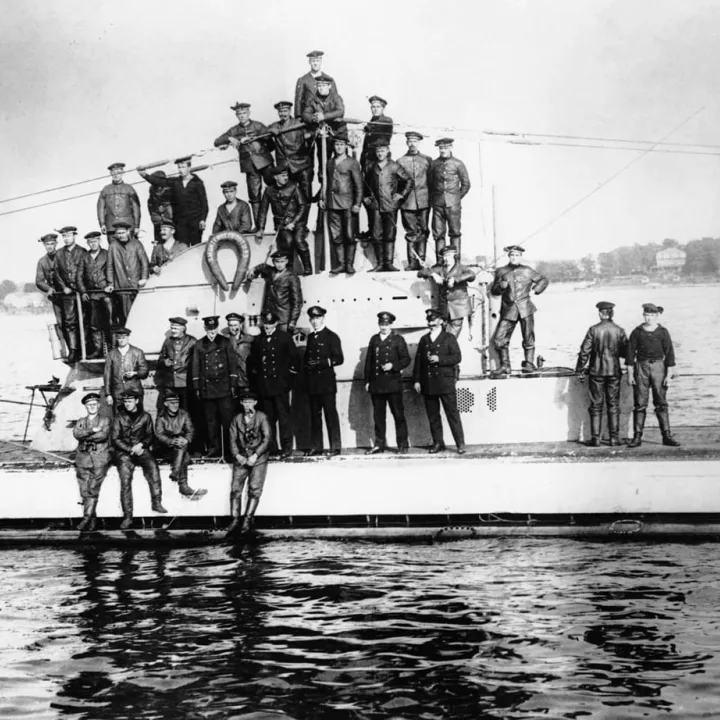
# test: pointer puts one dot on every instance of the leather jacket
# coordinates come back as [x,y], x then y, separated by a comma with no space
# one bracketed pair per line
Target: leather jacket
[453,302]
[92,274]
[449,181]
[344,182]
[116,365]
[288,205]
[130,429]
[283,293]
[116,202]
[292,149]
[45,275]
[603,346]
[170,427]
[68,262]
[382,184]
[331,106]
[237,220]
[522,280]
[180,352]
[90,441]
[162,256]
[253,438]
[127,264]
[254,155]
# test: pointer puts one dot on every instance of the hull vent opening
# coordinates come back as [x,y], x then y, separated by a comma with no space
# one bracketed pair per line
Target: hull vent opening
[491,400]
[465,400]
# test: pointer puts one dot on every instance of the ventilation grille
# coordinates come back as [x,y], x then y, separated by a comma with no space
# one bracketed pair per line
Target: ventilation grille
[491,400]
[465,400]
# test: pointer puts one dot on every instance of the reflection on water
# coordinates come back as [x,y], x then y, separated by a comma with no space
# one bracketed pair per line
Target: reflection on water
[503,628]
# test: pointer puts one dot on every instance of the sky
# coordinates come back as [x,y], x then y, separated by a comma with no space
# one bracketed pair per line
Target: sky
[89,83]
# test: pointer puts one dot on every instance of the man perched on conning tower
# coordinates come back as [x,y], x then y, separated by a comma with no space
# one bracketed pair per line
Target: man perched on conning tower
[306,83]
[118,201]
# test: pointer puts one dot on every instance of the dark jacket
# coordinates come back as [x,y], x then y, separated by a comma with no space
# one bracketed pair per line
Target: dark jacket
[378,130]
[453,302]
[159,204]
[68,263]
[332,107]
[253,438]
[417,166]
[393,349]
[129,430]
[170,427]
[162,256]
[522,280]
[116,365]
[127,264]
[237,220]
[383,183]
[283,293]
[254,155]
[305,90]
[655,345]
[344,183]
[288,205]
[292,148]
[214,368]
[323,353]
[45,276]
[189,202]
[448,181]
[180,352]
[437,379]
[93,273]
[273,364]
[604,345]
[118,202]
[241,346]
[90,442]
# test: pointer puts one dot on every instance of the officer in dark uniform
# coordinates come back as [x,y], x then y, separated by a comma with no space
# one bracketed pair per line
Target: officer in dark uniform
[322,354]
[215,381]
[92,282]
[604,345]
[283,292]
[434,375]
[289,208]
[387,356]
[233,214]
[254,155]
[45,276]
[69,259]
[273,366]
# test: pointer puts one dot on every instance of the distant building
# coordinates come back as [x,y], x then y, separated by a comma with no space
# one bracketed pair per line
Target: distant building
[19,301]
[671,259]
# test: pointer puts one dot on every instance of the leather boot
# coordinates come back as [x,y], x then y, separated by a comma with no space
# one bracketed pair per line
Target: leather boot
[87,515]
[255,207]
[97,345]
[614,428]
[388,257]
[247,520]
[127,522]
[350,258]
[663,417]
[234,526]
[595,423]
[504,353]
[73,354]
[340,255]
[528,365]
[412,251]
[638,426]
[304,256]
[187,491]
[377,249]
[156,505]
[421,249]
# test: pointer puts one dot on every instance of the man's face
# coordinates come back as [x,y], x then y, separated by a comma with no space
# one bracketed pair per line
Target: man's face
[166,233]
[385,328]
[183,169]
[445,151]
[116,174]
[270,328]
[650,318]
[282,179]
[50,246]
[93,244]
[315,64]
[122,234]
[376,108]
[123,340]
[172,405]
[230,194]
[248,404]
[234,327]
[91,406]
[68,238]
[130,404]
[323,88]
[434,323]
[243,115]
[514,257]
[317,322]
[382,152]
[280,263]
[211,333]
[413,144]
[284,112]
[176,330]
[339,147]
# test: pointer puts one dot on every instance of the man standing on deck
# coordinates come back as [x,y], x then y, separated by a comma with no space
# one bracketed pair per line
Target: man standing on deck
[387,356]
[241,342]
[166,248]
[515,282]
[69,259]
[118,201]
[128,269]
[283,293]
[449,183]
[250,439]
[435,374]
[604,344]
[173,364]
[46,279]
[323,354]
[305,86]
[234,214]
[292,149]
[415,211]
[92,460]
[92,282]
[650,363]
[254,154]
[132,437]
[159,203]
[125,369]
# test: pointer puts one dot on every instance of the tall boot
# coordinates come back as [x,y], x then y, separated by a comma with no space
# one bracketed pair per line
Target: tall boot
[87,515]
[255,207]
[187,491]
[528,365]
[340,255]
[249,514]
[421,249]
[504,353]
[126,503]
[350,258]
[638,426]
[595,423]
[388,257]
[304,256]
[614,427]
[97,345]
[73,355]
[412,252]
[663,417]
[156,504]
[377,249]
[234,526]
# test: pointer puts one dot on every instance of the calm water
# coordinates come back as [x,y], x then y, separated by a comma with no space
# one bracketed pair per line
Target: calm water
[308,629]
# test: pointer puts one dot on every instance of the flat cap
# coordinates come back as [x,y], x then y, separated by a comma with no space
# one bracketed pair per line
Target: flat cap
[652,309]
[93,234]
[282,104]
[228,184]
[316,311]
[514,248]
[269,318]
[171,396]
[315,53]
[323,78]
[444,141]
[247,395]
[604,305]
[279,254]
[385,318]
[414,134]
[432,315]
[234,316]
[167,223]
[185,159]
[211,321]
[340,137]
[50,237]
[178,321]
[67,229]
[377,98]
[90,396]
[122,224]
[240,106]
[119,165]
[130,393]
[120,330]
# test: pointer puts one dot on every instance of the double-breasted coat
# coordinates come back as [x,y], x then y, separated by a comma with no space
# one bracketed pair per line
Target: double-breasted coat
[254,155]
[179,352]
[214,371]
[273,364]
[392,349]
[384,183]
[417,167]
[116,365]
[439,378]
[323,353]
[345,185]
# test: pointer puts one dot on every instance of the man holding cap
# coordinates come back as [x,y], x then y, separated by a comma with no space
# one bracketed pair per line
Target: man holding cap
[283,293]
[254,153]
[174,432]
[341,198]
[305,86]
[292,149]
[273,366]
[118,201]
[250,438]
[92,460]
[68,261]
[92,280]
[46,277]
[167,248]
[125,369]
[128,269]
[449,183]
[289,208]
[215,382]
[451,279]
[234,214]
[241,342]
[387,356]
[435,375]
[650,363]
[604,345]
[173,363]
[132,437]
[515,282]
[415,211]
[386,188]
[323,353]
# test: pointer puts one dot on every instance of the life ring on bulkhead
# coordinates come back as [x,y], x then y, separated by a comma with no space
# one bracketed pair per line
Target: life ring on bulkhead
[237,241]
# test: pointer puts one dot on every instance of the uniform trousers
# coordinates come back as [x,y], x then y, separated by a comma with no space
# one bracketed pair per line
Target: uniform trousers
[415,224]
[187,230]
[91,469]
[649,375]
[100,306]
[449,403]
[218,416]
[304,179]
[277,409]
[126,464]
[319,404]
[380,401]
[604,390]
[179,463]
[255,477]
[446,219]
[383,225]
[122,303]
[68,305]
[291,241]
[342,227]
[505,329]
[254,180]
